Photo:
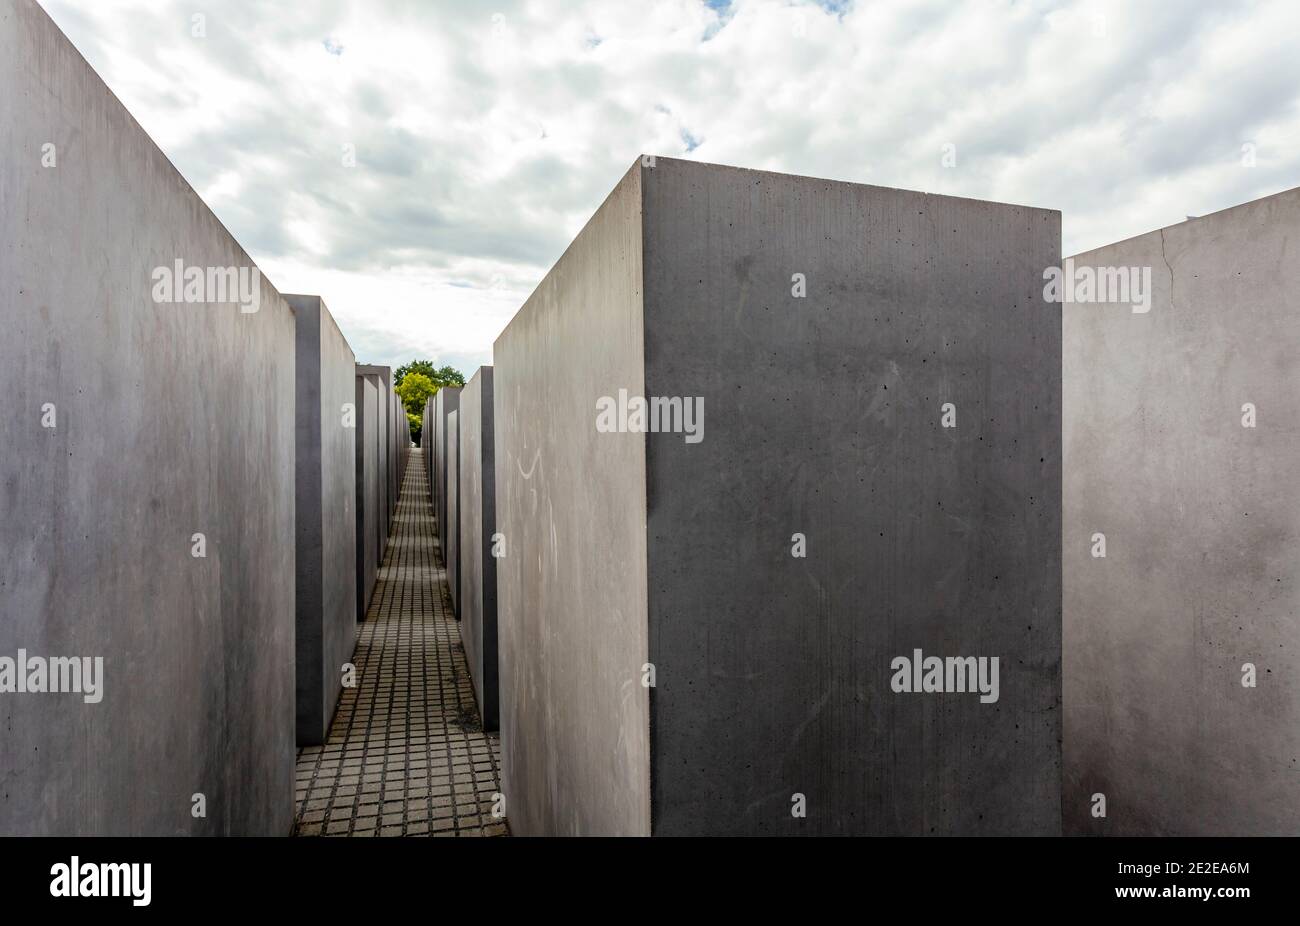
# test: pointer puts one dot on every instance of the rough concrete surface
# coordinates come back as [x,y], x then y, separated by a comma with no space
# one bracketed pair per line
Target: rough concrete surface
[478,572]
[403,445]
[1202,534]
[397,450]
[387,498]
[367,487]
[448,400]
[325,493]
[575,739]
[822,418]
[427,437]
[451,552]
[170,420]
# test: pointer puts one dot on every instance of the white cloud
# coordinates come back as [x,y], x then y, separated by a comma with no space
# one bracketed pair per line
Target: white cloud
[486,136]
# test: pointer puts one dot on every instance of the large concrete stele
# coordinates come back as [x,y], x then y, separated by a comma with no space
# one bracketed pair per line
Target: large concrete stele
[451,552]
[1182,447]
[427,437]
[447,400]
[383,420]
[699,636]
[326,532]
[148,455]
[477,597]
[400,439]
[367,487]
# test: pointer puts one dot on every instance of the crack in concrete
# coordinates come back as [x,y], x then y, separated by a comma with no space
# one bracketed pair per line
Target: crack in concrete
[1169,267]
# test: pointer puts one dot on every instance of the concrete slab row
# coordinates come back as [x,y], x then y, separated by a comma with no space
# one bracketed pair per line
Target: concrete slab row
[447,400]
[384,428]
[367,487]
[451,552]
[478,546]
[830,605]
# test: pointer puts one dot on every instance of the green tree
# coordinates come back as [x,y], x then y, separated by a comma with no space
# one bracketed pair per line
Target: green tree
[415,366]
[448,376]
[414,390]
[441,376]
[424,382]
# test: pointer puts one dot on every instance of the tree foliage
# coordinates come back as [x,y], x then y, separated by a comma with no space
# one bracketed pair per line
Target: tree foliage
[417,382]
[414,390]
[441,376]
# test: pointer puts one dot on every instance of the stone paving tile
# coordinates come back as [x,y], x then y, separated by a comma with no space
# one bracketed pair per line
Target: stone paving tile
[406,753]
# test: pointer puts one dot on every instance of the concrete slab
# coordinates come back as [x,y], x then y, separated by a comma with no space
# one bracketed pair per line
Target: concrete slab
[396,452]
[404,438]
[447,400]
[571,606]
[767,578]
[452,550]
[367,487]
[426,445]
[1201,529]
[387,493]
[148,516]
[478,573]
[325,495]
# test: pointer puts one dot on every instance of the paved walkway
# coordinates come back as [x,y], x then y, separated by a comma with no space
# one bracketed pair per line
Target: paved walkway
[406,755]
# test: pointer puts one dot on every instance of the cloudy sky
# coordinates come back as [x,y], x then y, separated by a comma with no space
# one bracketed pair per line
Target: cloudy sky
[484,134]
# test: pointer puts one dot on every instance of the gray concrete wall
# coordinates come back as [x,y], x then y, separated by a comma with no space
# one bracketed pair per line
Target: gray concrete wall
[452,550]
[448,400]
[385,453]
[441,400]
[382,378]
[822,418]
[1202,533]
[325,489]
[367,489]
[394,451]
[427,445]
[433,453]
[403,443]
[575,742]
[170,420]
[397,449]
[478,568]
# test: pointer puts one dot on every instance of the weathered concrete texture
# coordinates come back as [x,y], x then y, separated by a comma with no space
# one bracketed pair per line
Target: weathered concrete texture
[382,379]
[399,444]
[403,446]
[367,487]
[426,445]
[451,552]
[435,463]
[164,421]
[325,493]
[773,671]
[447,400]
[571,605]
[399,440]
[477,597]
[1202,534]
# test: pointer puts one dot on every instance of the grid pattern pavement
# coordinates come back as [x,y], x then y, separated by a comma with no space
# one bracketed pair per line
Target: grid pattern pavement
[406,753]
